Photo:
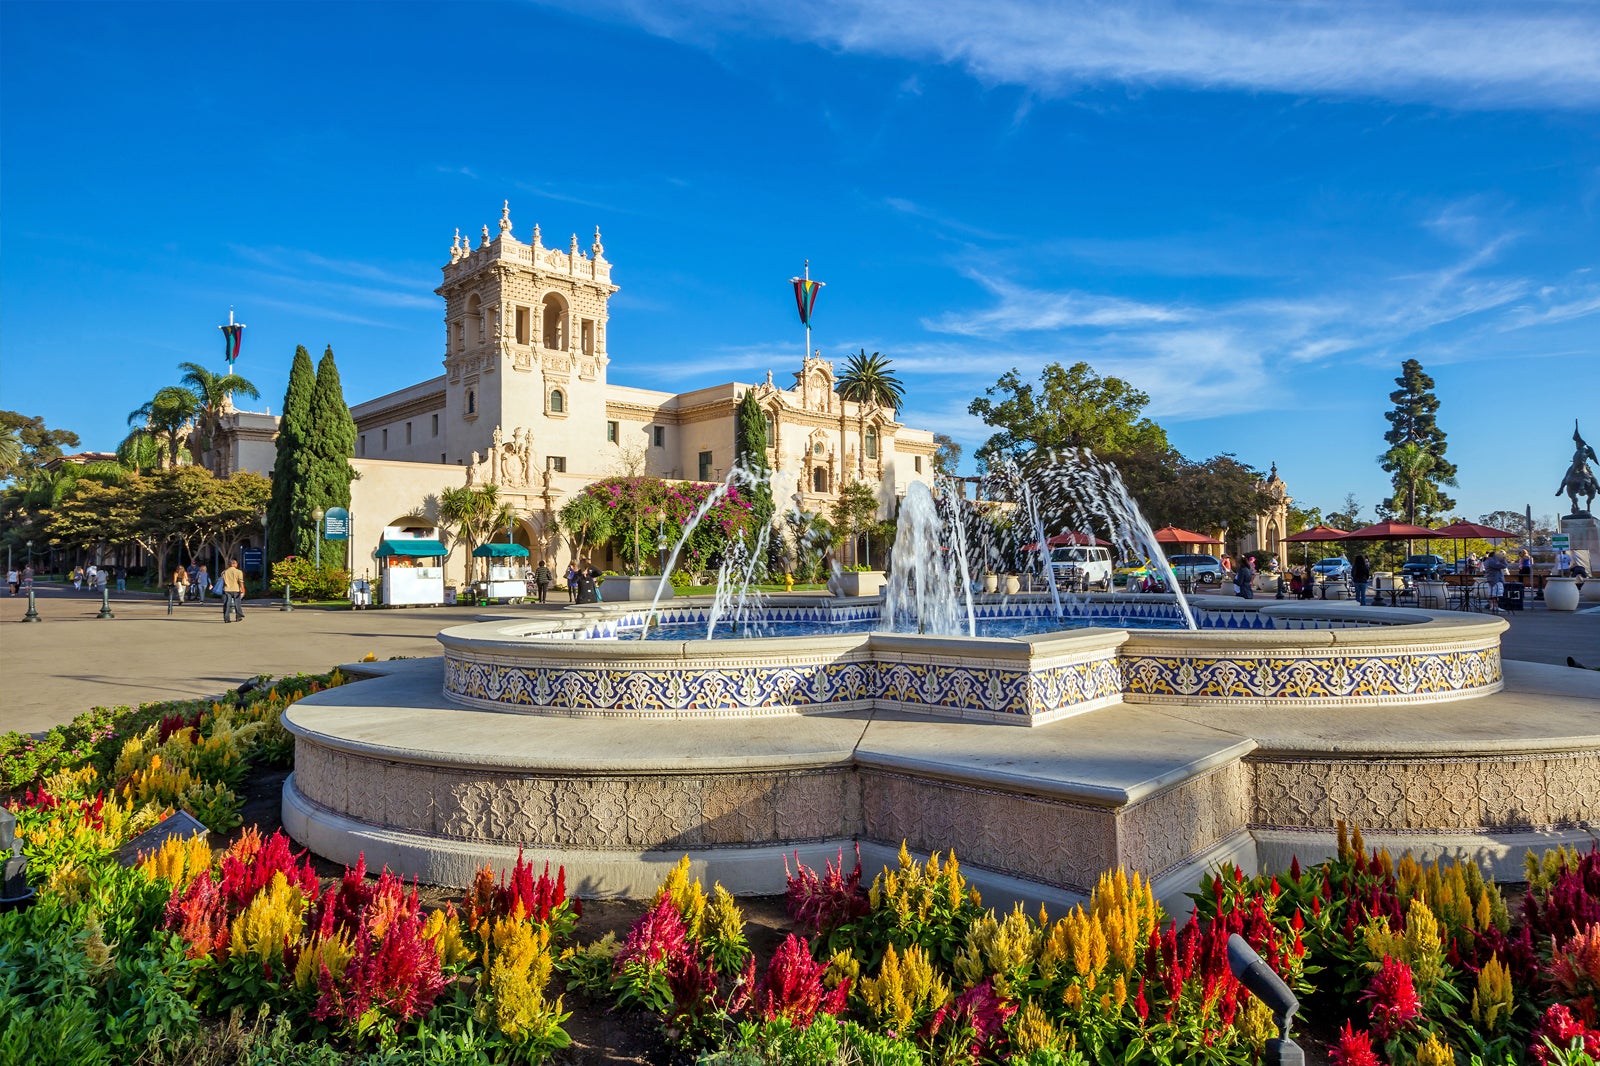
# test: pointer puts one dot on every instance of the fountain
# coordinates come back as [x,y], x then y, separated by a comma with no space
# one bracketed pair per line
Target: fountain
[1244,731]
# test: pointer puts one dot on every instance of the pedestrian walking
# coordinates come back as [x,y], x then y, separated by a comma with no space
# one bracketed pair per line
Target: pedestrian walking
[572,582]
[233,592]
[122,579]
[542,577]
[13,580]
[27,578]
[203,579]
[180,584]
[77,578]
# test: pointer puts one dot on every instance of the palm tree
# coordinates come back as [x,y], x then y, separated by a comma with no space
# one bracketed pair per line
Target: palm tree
[868,379]
[1411,463]
[474,514]
[165,417]
[211,392]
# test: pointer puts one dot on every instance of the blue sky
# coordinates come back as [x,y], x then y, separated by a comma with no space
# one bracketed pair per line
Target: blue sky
[1253,211]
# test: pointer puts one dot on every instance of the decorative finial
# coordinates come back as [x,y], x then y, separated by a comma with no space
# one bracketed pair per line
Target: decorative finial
[574,252]
[599,249]
[536,233]
[1274,468]
[455,247]
[485,243]
[505,216]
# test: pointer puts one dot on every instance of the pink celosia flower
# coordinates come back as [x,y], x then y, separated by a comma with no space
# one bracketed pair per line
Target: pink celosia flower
[792,987]
[1353,1049]
[1391,998]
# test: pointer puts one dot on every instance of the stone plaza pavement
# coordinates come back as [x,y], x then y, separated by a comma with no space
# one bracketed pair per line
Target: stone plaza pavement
[53,671]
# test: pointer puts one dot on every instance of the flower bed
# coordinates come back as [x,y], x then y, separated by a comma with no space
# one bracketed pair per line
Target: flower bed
[244,954]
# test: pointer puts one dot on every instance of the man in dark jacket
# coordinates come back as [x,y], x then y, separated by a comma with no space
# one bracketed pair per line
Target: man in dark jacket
[1361,575]
[1246,578]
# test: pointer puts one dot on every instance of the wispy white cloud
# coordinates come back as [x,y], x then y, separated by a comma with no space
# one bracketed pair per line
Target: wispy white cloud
[943,221]
[1473,53]
[1024,309]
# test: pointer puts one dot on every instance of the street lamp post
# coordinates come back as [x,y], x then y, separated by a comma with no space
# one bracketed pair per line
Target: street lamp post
[661,546]
[33,607]
[318,514]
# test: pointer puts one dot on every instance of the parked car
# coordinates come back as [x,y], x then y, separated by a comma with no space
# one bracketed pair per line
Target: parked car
[1081,567]
[1129,570]
[1199,569]
[1336,569]
[1424,567]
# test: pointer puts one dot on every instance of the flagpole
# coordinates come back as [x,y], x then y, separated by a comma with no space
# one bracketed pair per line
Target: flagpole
[808,319]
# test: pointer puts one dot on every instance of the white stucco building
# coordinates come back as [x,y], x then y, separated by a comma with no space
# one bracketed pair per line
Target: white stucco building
[525,403]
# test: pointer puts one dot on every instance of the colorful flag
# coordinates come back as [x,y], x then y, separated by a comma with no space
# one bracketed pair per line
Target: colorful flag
[805,297]
[231,336]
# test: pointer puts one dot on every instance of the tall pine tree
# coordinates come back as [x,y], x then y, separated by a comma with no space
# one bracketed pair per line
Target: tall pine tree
[330,443]
[1414,421]
[288,513]
[750,452]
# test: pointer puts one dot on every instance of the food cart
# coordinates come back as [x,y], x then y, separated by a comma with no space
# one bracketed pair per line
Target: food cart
[507,582]
[413,571]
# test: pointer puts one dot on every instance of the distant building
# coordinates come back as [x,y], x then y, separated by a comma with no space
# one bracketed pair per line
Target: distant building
[524,403]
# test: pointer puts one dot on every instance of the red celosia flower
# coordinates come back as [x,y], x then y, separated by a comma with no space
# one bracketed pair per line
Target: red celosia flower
[976,1017]
[1562,1029]
[823,904]
[243,873]
[792,987]
[659,936]
[538,897]
[397,971]
[1353,1049]
[199,914]
[1391,998]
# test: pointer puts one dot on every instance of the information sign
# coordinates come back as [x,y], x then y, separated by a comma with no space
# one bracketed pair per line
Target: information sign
[336,524]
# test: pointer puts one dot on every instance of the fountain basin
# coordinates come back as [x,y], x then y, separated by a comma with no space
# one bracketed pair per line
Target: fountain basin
[1278,654]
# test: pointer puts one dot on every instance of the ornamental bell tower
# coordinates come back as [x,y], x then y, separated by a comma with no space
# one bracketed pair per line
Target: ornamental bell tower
[525,336]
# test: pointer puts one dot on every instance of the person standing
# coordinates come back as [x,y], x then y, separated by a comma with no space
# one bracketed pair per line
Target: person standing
[1525,568]
[13,580]
[180,584]
[1563,561]
[1494,576]
[1246,577]
[27,578]
[233,592]
[202,578]
[572,582]
[122,578]
[1361,575]
[542,577]
[588,590]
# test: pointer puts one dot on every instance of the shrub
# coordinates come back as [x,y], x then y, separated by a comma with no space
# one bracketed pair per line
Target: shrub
[307,581]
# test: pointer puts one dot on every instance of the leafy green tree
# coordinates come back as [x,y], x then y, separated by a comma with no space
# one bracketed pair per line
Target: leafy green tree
[329,444]
[853,514]
[946,455]
[750,452]
[473,514]
[37,444]
[587,521]
[1348,516]
[1414,421]
[165,418]
[211,391]
[1201,496]
[1070,408]
[290,527]
[1304,518]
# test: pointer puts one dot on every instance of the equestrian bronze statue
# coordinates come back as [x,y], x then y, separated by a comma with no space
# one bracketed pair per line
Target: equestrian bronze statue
[1580,479]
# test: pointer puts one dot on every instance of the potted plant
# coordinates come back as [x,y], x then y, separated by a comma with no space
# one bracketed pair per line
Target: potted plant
[860,581]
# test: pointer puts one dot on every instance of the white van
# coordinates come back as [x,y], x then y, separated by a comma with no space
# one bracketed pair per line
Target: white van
[1081,567]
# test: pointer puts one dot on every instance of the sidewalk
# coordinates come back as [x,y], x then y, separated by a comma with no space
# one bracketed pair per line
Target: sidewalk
[52,671]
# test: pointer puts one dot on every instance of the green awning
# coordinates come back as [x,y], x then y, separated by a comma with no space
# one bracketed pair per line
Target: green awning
[418,548]
[498,551]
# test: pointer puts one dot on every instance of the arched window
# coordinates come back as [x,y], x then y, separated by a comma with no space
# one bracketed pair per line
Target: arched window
[872,444]
[558,402]
[772,433]
[555,322]
[819,479]
[472,402]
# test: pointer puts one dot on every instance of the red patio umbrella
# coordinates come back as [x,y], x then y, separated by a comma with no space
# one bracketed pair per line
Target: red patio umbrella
[1315,535]
[1174,535]
[1063,539]
[1459,531]
[1392,530]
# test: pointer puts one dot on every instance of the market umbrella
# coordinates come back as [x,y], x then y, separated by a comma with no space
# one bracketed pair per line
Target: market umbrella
[1459,531]
[1389,529]
[1062,539]
[1174,535]
[1315,535]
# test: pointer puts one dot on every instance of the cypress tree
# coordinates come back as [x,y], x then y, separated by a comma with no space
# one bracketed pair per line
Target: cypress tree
[331,442]
[1414,420]
[288,515]
[750,452]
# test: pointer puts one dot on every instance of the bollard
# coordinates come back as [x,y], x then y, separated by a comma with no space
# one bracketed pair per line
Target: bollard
[169,599]
[105,602]
[33,609]
[288,601]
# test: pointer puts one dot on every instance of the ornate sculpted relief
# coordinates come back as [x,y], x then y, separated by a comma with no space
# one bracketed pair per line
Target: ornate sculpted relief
[509,463]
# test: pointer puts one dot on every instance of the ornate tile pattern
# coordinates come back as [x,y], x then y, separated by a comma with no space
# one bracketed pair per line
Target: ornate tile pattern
[1314,676]
[1481,794]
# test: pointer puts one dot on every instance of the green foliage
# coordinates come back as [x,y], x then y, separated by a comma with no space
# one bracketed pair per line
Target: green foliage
[307,582]
[211,392]
[1201,496]
[750,452]
[474,514]
[165,418]
[946,455]
[1415,457]
[868,379]
[1071,408]
[289,516]
[853,513]
[641,509]
[36,444]
[331,442]
[827,1041]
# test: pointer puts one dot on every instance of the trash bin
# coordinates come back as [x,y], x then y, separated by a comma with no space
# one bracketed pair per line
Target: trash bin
[1512,599]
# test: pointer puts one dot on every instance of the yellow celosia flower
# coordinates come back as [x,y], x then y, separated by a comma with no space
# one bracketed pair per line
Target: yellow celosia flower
[1253,1022]
[1423,948]
[906,990]
[333,952]
[1004,949]
[843,966]
[688,897]
[177,861]
[443,927]
[512,987]
[1493,998]
[269,921]
[1033,1031]
[1435,1052]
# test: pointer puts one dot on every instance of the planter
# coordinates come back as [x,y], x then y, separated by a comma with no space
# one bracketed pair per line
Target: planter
[991,582]
[621,588]
[1013,584]
[1561,593]
[1590,592]
[1432,595]
[860,582]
